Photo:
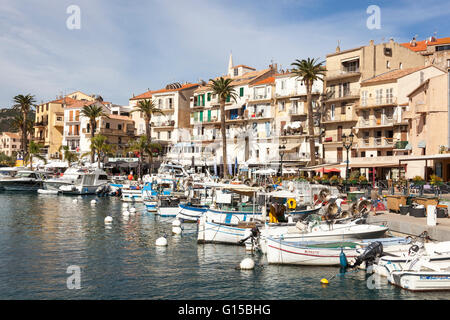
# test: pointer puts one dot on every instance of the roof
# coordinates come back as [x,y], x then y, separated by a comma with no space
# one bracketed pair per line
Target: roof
[66,100]
[12,134]
[119,117]
[149,94]
[243,66]
[424,44]
[244,79]
[268,80]
[79,104]
[392,75]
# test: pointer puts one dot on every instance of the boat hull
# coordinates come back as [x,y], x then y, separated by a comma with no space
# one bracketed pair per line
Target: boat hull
[167,211]
[188,213]
[420,281]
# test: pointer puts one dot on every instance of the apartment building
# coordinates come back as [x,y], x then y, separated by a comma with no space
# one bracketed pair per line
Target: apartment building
[249,119]
[173,125]
[346,70]
[49,126]
[10,143]
[429,136]
[291,116]
[435,50]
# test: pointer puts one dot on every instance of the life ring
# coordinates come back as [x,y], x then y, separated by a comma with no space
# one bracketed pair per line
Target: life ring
[292,204]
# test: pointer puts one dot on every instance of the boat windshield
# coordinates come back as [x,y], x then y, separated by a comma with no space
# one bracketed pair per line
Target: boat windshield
[25,175]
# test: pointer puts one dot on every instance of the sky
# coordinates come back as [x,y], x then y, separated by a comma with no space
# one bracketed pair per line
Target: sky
[128,47]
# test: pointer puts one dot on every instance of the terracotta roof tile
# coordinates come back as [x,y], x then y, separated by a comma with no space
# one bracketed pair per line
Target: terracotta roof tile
[423,45]
[268,80]
[392,75]
[148,94]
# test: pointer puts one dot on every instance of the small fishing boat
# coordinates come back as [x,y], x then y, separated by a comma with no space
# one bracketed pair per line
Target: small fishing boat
[168,206]
[70,176]
[323,253]
[190,212]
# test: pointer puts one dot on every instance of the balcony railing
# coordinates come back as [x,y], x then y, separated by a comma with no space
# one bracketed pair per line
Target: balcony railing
[345,94]
[380,101]
[169,123]
[335,74]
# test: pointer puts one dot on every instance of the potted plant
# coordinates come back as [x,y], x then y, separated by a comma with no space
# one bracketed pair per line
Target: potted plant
[324,179]
[362,180]
[316,179]
[436,182]
[334,180]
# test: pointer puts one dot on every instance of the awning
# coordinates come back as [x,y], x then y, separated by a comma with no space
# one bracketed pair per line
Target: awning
[291,146]
[234,106]
[328,170]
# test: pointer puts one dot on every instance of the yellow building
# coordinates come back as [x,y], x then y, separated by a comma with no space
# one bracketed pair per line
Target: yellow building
[49,126]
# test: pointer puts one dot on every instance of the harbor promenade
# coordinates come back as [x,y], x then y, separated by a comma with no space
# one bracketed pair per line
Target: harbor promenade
[413,226]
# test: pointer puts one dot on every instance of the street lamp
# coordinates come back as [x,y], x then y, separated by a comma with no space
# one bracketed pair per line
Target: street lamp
[281,149]
[347,142]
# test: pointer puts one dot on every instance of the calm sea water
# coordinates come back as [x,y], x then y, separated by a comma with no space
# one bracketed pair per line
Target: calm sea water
[42,235]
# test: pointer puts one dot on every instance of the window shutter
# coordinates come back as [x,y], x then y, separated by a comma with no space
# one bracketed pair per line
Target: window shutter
[241,92]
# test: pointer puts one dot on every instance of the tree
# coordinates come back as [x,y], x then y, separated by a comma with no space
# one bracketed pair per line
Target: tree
[34,151]
[148,108]
[24,104]
[100,146]
[141,146]
[68,155]
[309,70]
[224,90]
[93,112]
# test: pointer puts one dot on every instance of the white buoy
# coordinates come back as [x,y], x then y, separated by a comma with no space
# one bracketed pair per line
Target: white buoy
[125,205]
[176,230]
[176,223]
[108,219]
[132,210]
[93,202]
[75,200]
[161,242]
[125,213]
[247,264]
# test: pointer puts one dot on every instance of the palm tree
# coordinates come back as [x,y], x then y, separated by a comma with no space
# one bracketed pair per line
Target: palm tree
[69,156]
[34,150]
[308,71]
[224,90]
[101,147]
[17,124]
[141,146]
[148,109]
[24,104]
[93,112]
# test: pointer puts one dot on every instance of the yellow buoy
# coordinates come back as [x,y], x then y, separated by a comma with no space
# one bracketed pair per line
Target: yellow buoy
[324,281]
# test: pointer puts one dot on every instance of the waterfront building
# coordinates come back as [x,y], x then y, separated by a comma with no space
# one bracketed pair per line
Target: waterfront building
[436,51]
[10,143]
[249,119]
[173,125]
[382,132]
[49,126]
[291,117]
[346,70]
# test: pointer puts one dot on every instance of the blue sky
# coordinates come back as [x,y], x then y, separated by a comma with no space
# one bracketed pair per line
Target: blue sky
[126,47]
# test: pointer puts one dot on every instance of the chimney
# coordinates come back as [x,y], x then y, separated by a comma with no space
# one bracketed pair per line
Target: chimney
[391,40]
[371,42]
[338,48]
[413,42]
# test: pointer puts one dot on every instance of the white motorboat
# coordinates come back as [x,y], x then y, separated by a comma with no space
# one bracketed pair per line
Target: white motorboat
[420,274]
[168,206]
[88,182]
[132,194]
[23,180]
[436,253]
[189,212]
[70,176]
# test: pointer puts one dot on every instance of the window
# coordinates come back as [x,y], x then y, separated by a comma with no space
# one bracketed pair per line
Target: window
[448,63]
[257,153]
[169,135]
[283,84]
[389,95]
[364,98]
[388,64]
[236,72]
[442,48]
[363,154]
[119,126]
[281,106]
[209,96]
[107,125]
[241,92]
[343,107]
[400,66]
[421,76]
[379,96]
[333,111]
[159,135]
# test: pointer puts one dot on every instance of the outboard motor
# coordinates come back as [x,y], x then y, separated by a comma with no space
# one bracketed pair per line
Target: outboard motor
[254,232]
[373,251]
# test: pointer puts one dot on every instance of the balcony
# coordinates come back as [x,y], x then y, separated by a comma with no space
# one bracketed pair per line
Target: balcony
[163,124]
[347,94]
[377,102]
[328,118]
[373,123]
[341,74]
[41,124]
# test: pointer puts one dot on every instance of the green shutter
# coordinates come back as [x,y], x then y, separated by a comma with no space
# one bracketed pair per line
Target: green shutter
[203,100]
[201,116]
[209,115]
[241,92]
[228,99]
[209,96]
[195,116]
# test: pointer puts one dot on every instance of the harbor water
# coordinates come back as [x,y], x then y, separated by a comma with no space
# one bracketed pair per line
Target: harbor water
[41,236]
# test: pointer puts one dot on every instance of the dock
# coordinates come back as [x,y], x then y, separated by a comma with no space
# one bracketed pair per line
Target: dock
[407,225]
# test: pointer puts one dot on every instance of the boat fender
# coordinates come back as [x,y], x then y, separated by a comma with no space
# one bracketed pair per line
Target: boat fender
[343,260]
